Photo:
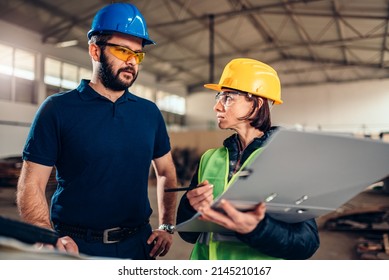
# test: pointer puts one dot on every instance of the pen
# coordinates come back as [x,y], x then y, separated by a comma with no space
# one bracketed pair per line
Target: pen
[180,189]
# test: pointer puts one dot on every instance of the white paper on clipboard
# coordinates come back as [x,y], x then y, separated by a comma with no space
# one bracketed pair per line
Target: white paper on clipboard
[303,175]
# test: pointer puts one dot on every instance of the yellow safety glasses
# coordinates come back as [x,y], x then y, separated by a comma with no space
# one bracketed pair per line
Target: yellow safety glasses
[123,53]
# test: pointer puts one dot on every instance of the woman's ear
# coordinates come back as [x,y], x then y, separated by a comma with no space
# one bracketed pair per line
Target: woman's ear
[260,102]
[94,52]
[259,106]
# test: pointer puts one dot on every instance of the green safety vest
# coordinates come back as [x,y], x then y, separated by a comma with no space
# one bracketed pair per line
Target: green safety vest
[214,165]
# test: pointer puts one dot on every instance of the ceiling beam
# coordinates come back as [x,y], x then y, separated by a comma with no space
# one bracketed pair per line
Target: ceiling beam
[302,33]
[327,43]
[68,23]
[232,13]
[340,81]
[331,61]
[384,41]
[211,59]
[339,28]
[266,34]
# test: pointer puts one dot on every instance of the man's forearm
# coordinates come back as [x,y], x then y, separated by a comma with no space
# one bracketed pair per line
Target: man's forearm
[31,196]
[166,178]
[166,203]
[33,207]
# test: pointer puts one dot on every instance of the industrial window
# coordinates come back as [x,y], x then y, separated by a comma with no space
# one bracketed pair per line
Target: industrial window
[166,101]
[170,102]
[24,66]
[60,75]
[6,55]
[17,75]
[143,91]
[172,107]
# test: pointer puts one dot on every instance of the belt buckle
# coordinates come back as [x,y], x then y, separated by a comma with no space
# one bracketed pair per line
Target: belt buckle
[106,233]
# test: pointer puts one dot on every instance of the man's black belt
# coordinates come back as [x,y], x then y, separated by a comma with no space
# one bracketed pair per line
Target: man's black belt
[111,235]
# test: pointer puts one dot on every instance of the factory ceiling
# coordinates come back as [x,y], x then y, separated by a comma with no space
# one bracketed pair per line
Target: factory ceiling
[308,42]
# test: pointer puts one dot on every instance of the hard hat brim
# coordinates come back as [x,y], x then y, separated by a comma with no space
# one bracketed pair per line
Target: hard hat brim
[146,41]
[216,87]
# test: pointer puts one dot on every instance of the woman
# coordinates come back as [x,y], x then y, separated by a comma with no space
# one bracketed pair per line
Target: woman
[246,91]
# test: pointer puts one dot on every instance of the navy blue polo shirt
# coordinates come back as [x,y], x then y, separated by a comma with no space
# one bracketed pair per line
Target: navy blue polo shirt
[102,151]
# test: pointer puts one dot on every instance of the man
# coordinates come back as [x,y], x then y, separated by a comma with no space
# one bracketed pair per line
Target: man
[102,140]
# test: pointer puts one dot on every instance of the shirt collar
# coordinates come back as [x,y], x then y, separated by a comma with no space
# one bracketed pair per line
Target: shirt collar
[232,141]
[87,93]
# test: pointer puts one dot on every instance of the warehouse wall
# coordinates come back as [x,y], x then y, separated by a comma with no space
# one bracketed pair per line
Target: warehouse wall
[352,107]
[16,117]
[15,120]
[23,39]
[359,107]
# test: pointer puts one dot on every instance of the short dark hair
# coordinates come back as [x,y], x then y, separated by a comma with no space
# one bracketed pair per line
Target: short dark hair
[260,119]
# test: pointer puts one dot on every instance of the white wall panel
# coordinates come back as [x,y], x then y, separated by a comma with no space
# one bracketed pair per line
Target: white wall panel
[361,107]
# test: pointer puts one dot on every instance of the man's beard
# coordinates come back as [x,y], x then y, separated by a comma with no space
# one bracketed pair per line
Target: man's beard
[112,81]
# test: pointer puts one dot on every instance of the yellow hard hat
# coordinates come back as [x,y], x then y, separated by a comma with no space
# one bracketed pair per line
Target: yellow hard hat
[250,75]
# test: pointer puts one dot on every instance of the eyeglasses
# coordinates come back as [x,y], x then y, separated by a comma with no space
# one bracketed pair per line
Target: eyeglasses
[228,98]
[123,53]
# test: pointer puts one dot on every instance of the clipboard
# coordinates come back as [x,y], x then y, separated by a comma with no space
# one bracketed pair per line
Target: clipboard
[303,175]
[26,233]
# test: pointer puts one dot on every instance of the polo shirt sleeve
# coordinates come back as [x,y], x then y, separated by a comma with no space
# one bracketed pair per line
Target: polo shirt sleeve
[162,141]
[42,141]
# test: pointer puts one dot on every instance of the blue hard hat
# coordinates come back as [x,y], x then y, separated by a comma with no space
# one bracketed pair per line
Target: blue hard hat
[123,18]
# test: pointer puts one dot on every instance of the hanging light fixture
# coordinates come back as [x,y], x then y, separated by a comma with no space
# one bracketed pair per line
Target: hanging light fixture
[66,44]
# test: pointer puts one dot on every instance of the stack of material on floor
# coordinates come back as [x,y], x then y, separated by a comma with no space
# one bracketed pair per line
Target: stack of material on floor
[373,224]
[374,247]
[10,171]
[373,219]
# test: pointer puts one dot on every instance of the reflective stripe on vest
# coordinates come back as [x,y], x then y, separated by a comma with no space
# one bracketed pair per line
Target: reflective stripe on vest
[214,166]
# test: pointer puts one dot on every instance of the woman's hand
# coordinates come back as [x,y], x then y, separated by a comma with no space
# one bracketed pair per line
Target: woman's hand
[232,218]
[201,196]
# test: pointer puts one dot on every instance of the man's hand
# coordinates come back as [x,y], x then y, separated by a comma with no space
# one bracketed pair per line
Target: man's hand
[64,244]
[162,242]
[232,218]
[67,244]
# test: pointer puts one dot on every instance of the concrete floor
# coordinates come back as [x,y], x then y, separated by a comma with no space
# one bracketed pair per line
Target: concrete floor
[335,245]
